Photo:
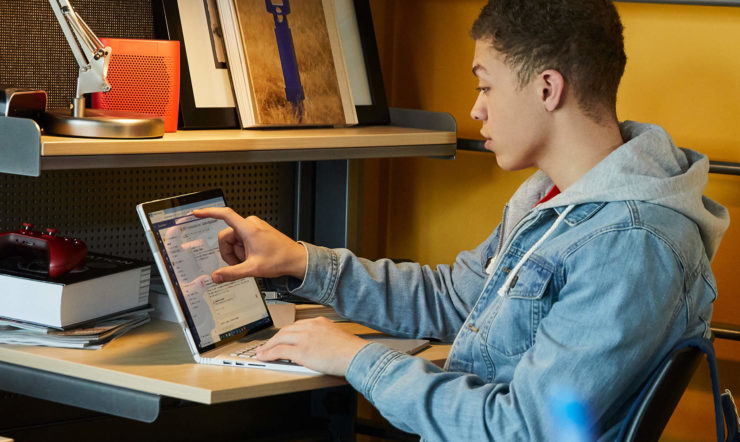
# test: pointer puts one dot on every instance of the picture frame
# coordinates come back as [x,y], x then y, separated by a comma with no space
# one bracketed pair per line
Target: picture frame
[363,61]
[206,95]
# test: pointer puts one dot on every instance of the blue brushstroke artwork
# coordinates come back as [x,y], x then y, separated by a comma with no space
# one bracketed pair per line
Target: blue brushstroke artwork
[293,87]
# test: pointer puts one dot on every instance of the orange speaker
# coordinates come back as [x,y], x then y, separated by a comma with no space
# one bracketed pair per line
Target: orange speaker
[145,77]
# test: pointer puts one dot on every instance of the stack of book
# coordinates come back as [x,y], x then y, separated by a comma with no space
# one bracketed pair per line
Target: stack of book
[92,335]
[106,285]
[84,308]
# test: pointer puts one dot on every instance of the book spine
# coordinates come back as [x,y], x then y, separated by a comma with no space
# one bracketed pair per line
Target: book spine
[145,279]
[237,62]
[340,63]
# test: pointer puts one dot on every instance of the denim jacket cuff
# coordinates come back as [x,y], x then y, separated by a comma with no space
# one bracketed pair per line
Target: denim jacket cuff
[368,365]
[284,284]
[320,280]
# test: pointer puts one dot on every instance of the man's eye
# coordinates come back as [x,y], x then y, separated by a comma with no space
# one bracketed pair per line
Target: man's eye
[483,89]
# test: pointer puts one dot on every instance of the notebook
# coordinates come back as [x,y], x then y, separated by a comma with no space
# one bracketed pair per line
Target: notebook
[220,321]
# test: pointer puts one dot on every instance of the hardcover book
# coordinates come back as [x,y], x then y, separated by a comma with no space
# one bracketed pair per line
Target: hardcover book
[286,62]
[106,285]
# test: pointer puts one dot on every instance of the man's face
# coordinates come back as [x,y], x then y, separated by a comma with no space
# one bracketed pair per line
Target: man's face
[512,117]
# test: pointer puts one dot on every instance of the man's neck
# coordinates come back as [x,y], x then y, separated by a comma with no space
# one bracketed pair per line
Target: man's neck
[578,144]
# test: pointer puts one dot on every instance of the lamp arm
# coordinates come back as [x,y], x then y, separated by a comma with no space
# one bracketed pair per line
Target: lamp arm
[91,55]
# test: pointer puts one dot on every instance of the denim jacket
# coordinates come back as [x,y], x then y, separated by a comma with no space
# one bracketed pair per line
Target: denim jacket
[583,294]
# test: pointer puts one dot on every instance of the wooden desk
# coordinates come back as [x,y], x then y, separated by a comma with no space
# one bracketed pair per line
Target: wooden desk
[131,374]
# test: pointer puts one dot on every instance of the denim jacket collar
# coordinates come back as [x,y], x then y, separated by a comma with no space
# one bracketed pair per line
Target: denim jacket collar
[580,213]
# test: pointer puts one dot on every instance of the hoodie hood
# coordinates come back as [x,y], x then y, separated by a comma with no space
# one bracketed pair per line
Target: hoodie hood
[647,167]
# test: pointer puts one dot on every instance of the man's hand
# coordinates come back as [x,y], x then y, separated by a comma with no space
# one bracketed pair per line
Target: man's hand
[316,343]
[252,247]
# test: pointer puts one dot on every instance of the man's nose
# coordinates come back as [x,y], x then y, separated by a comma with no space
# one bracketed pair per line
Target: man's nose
[478,111]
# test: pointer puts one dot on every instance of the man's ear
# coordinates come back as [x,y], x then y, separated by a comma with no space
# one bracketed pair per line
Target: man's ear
[553,89]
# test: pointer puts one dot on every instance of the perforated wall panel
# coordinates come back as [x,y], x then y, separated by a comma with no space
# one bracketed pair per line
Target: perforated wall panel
[35,54]
[98,206]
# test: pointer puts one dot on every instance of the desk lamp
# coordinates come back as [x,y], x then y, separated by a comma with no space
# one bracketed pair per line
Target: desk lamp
[93,58]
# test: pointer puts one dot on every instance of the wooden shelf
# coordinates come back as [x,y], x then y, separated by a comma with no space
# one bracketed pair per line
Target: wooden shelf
[200,141]
[411,133]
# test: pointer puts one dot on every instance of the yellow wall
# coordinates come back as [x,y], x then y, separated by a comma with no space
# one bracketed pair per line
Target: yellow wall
[434,208]
[683,73]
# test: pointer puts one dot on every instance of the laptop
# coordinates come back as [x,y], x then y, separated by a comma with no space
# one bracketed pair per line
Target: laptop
[222,323]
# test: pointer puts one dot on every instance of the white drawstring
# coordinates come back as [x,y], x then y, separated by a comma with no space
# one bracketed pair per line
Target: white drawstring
[504,289]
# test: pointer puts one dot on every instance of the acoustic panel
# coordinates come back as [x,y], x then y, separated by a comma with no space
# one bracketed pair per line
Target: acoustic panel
[35,54]
[98,206]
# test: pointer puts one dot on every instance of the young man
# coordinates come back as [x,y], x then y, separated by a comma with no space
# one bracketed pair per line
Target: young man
[599,266]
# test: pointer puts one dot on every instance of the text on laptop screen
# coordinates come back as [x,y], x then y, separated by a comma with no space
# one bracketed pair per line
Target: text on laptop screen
[214,312]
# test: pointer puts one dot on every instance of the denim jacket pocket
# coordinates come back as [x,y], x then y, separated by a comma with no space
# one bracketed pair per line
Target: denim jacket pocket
[511,328]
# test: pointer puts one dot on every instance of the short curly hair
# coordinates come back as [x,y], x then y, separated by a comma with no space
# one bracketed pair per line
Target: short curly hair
[581,39]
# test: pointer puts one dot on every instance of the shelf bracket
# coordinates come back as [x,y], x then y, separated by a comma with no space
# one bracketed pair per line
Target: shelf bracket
[421,119]
[20,146]
[77,392]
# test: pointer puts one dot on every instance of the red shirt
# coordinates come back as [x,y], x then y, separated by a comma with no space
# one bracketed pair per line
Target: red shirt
[550,195]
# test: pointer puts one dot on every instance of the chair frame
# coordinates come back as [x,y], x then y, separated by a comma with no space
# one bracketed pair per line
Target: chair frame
[660,394]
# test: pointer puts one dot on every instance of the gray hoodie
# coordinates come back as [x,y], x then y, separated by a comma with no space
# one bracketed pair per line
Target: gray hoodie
[646,168]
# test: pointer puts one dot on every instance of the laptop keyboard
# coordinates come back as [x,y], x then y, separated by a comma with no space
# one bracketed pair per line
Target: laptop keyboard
[249,349]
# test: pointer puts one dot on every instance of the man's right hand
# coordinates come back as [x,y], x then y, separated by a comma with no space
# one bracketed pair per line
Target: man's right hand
[252,247]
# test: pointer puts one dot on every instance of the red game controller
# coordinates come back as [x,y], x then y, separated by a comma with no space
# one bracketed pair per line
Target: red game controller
[63,254]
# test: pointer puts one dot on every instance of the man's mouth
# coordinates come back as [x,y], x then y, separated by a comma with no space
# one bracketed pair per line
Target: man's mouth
[487,140]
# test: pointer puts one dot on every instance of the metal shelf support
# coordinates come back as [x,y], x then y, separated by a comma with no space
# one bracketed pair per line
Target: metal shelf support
[721,167]
[20,146]
[118,401]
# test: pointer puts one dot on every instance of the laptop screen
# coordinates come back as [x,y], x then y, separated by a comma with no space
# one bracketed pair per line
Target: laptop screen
[189,245]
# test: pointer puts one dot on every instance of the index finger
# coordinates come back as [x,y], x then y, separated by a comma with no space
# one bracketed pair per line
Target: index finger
[286,335]
[226,214]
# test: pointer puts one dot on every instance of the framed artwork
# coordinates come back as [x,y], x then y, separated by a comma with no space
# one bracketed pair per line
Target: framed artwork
[206,95]
[363,63]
